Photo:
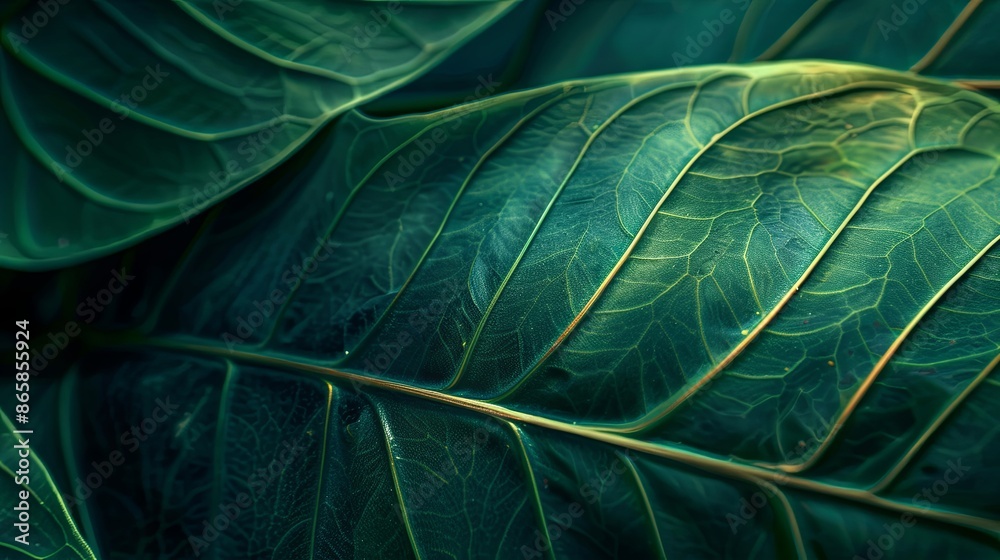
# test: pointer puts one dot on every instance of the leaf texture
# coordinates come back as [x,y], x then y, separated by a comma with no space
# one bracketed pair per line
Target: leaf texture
[51,531]
[124,118]
[725,312]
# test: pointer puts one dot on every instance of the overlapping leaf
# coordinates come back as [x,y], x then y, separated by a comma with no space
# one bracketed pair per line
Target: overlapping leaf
[123,118]
[571,40]
[947,39]
[728,312]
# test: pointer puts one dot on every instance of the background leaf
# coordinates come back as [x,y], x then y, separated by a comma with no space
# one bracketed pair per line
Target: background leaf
[124,118]
[566,39]
[946,39]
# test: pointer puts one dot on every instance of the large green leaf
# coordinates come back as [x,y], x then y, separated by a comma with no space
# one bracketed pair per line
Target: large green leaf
[122,118]
[725,312]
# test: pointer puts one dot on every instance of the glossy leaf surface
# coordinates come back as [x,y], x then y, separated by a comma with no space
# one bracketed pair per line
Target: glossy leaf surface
[725,312]
[123,118]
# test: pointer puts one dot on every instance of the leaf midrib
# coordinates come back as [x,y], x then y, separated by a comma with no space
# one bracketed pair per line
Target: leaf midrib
[707,463]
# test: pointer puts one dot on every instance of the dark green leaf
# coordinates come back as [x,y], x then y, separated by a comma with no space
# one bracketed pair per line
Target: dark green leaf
[571,39]
[123,118]
[725,312]
[43,519]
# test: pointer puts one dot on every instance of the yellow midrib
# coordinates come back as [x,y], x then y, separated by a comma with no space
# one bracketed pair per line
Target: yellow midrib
[723,467]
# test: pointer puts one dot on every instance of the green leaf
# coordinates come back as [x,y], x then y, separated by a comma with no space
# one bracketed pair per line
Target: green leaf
[946,38]
[51,531]
[124,118]
[724,312]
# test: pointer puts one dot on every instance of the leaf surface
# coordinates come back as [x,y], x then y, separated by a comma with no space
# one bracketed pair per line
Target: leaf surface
[725,312]
[51,531]
[124,118]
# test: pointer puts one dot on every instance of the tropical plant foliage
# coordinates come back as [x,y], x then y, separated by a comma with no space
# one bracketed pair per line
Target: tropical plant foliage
[716,311]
